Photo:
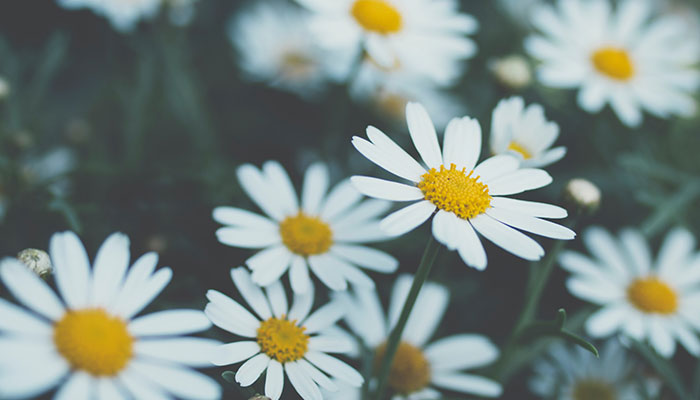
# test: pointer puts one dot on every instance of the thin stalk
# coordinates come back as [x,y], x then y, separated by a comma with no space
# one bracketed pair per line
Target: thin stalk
[429,254]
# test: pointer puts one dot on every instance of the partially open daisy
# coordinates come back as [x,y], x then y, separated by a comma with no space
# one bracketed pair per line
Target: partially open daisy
[525,133]
[576,374]
[321,234]
[280,340]
[419,367]
[464,197]
[123,15]
[409,33]
[641,299]
[623,57]
[91,344]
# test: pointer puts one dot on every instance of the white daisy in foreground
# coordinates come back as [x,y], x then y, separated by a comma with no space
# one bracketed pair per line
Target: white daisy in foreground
[576,374]
[525,133]
[419,367]
[123,15]
[91,344]
[285,341]
[321,234]
[275,46]
[464,197]
[639,298]
[410,33]
[623,57]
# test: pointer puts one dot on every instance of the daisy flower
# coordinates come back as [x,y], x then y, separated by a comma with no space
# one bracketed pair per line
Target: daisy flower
[419,366]
[321,234]
[91,345]
[576,374]
[282,341]
[123,15]
[525,133]
[621,57]
[640,298]
[465,198]
[409,33]
[275,46]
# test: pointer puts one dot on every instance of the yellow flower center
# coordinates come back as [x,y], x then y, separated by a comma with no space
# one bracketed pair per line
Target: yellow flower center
[455,191]
[593,390]
[520,149]
[410,370]
[305,235]
[377,16]
[282,340]
[651,295]
[93,341]
[613,62]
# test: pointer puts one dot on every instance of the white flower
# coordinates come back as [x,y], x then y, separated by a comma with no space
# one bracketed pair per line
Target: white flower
[576,374]
[91,344]
[285,341]
[640,299]
[525,133]
[122,14]
[512,71]
[623,58]
[423,36]
[275,46]
[464,199]
[419,366]
[321,234]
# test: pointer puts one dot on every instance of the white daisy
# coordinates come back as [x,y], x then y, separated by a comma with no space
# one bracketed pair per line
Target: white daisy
[321,234]
[91,344]
[576,374]
[621,57]
[122,14]
[275,46]
[525,133]
[464,199]
[419,367]
[639,298]
[420,35]
[285,341]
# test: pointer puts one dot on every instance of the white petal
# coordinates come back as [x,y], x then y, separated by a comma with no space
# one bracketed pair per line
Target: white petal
[531,224]
[365,316]
[14,319]
[111,263]
[407,164]
[423,135]
[315,187]
[426,315]
[386,190]
[137,276]
[324,266]
[31,290]
[519,181]
[108,390]
[607,320]
[227,314]
[330,344]
[301,305]
[507,238]
[385,160]
[354,275]
[79,386]
[256,186]
[335,368]
[323,317]
[269,264]
[23,383]
[341,197]
[445,226]
[462,143]
[299,275]
[460,352]
[181,382]
[531,208]
[366,232]
[316,375]
[274,380]
[284,190]
[660,338]
[251,370]
[169,322]
[232,353]
[598,292]
[496,167]
[366,257]
[407,218]
[20,352]
[675,250]
[72,268]
[637,250]
[140,387]
[302,383]
[251,292]
[192,351]
[278,298]
[242,218]
[602,245]
[143,296]
[467,383]
[367,210]
[248,238]
[470,248]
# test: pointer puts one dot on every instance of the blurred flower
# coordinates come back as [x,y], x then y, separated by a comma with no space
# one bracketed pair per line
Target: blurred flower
[658,302]
[180,12]
[525,133]
[285,341]
[576,374]
[92,343]
[622,57]
[4,88]
[422,36]
[512,71]
[583,194]
[275,46]
[462,197]
[419,366]
[51,169]
[36,260]
[322,234]
[123,15]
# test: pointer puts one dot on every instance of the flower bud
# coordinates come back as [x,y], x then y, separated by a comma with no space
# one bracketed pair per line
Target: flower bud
[4,88]
[583,195]
[259,397]
[36,260]
[512,71]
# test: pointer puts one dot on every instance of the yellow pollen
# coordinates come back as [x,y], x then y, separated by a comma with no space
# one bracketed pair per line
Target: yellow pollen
[520,149]
[410,370]
[455,191]
[651,295]
[282,340]
[305,235]
[377,16]
[613,62]
[593,390]
[93,341]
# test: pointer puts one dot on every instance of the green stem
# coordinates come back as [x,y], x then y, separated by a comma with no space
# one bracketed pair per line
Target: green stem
[429,254]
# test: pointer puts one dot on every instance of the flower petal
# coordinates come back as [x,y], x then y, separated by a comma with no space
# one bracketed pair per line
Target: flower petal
[423,134]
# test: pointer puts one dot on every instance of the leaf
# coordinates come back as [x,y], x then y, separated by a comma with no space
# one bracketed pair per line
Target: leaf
[555,328]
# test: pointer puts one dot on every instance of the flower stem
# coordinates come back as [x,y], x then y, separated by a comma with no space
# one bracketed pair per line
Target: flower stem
[429,254]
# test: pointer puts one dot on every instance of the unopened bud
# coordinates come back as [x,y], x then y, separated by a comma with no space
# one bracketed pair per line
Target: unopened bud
[512,71]
[36,260]
[583,195]
[4,88]
[259,397]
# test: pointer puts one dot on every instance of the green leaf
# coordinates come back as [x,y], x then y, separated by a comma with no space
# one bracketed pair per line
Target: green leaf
[555,328]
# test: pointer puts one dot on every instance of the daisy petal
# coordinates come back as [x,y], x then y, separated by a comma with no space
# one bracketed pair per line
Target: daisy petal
[407,218]
[169,322]
[78,387]
[302,383]
[269,264]
[467,383]
[496,167]
[462,143]
[145,294]
[341,197]
[531,224]
[72,268]
[29,289]
[519,181]
[324,317]
[317,376]
[507,238]
[325,268]
[251,370]
[301,306]
[367,257]
[111,263]
[470,248]
[182,382]
[274,380]
[242,218]
[335,368]
[299,275]
[423,134]
[607,320]
[284,190]
[233,353]
[277,298]
[315,187]
[257,188]
[386,190]
[251,292]
[460,352]
[140,388]
[411,168]
[248,238]
[384,159]
[21,383]
[531,208]
[191,351]
[14,319]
